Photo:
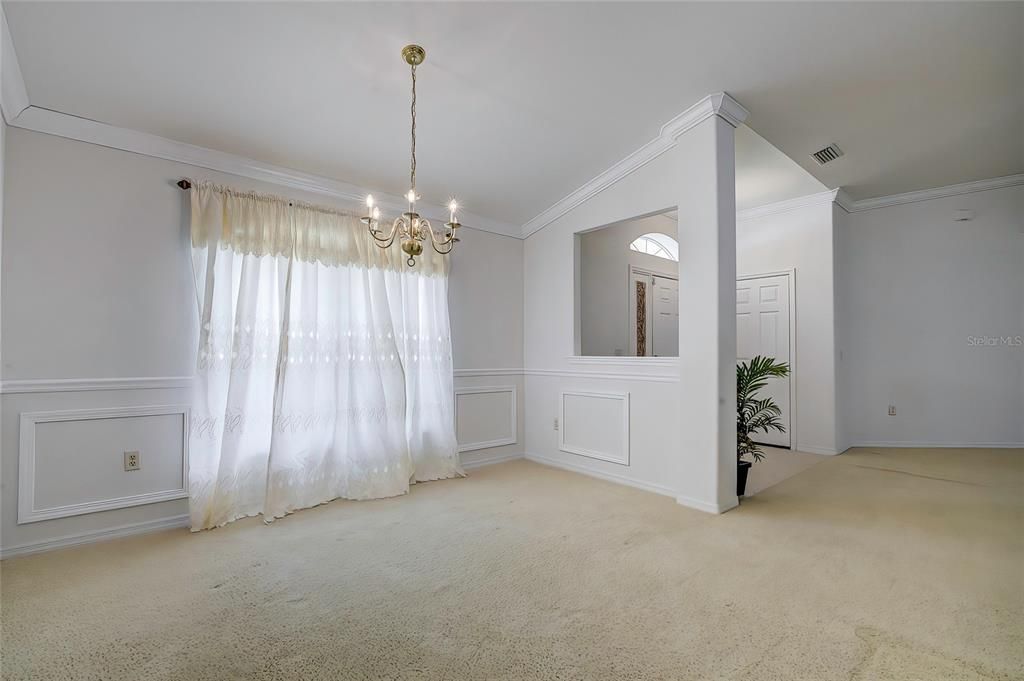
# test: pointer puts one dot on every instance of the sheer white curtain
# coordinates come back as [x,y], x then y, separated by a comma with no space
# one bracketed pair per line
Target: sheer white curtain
[324,365]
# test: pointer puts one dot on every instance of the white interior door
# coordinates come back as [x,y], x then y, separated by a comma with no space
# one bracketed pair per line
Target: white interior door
[763,308]
[666,317]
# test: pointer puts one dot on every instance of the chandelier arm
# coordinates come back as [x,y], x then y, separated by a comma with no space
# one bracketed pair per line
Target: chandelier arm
[442,240]
[442,250]
[385,241]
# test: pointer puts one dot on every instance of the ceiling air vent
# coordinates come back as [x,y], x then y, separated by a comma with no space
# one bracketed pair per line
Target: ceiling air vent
[829,153]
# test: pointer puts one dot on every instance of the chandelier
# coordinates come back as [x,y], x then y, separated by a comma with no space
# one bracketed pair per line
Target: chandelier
[410,228]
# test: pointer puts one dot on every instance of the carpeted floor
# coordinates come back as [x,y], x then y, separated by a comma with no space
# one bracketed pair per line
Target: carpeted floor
[873,565]
[777,465]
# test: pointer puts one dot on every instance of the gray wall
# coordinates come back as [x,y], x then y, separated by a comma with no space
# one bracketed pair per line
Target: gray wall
[802,240]
[97,284]
[919,293]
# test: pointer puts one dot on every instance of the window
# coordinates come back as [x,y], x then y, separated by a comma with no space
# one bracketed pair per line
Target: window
[659,245]
[643,319]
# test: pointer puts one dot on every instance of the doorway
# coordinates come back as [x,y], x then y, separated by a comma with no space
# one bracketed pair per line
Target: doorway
[764,326]
[653,314]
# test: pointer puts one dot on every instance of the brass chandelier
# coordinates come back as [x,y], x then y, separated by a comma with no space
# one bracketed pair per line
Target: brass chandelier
[410,228]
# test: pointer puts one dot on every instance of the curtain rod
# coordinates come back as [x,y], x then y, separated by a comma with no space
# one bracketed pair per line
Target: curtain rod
[186,183]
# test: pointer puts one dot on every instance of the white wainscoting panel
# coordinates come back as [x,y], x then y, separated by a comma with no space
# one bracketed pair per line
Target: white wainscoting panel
[486,417]
[595,424]
[71,462]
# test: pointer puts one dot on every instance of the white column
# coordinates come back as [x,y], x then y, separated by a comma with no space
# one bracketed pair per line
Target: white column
[707,309]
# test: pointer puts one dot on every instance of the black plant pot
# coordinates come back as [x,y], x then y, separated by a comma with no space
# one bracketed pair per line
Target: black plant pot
[743,467]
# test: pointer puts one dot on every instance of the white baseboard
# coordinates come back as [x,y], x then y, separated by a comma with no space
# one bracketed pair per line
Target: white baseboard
[827,451]
[491,459]
[903,444]
[609,477]
[704,506]
[630,482]
[96,536]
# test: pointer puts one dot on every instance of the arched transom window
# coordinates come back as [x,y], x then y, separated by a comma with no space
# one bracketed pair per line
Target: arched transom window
[657,244]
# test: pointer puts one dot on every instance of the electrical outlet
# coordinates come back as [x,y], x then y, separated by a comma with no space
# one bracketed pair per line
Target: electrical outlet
[892,410]
[556,423]
[131,461]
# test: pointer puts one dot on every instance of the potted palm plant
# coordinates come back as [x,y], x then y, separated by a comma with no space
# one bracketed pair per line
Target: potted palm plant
[754,415]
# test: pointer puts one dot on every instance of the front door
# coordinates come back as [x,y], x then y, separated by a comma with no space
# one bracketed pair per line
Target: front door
[666,317]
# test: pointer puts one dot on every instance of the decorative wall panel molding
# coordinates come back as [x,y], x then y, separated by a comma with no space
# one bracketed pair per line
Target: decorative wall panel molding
[30,512]
[498,428]
[61,385]
[603,434]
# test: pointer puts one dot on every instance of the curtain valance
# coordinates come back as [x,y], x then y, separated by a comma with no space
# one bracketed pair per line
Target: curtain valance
[250,223]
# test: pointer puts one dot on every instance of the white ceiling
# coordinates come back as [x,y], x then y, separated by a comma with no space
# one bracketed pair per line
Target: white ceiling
[519,104]
[766,175]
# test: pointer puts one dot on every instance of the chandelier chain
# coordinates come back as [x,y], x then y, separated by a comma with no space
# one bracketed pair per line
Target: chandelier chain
[412,109]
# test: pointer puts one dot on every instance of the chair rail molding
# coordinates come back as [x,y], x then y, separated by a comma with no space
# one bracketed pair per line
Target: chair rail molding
[64,385]
[27,511]
[473,373]
[718,104]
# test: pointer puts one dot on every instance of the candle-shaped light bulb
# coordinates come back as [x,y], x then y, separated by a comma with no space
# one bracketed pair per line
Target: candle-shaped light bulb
[452,206]
[369,201]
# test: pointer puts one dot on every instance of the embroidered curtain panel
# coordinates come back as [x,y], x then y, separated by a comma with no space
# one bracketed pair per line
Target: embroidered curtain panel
[324,362]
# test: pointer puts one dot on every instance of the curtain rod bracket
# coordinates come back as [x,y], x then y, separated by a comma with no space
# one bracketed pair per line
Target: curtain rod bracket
[184,184]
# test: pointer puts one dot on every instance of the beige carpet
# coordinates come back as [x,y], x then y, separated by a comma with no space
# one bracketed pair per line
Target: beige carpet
[778,465]
[887,565]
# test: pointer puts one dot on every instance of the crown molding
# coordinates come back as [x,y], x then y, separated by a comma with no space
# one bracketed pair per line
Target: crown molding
[819,199]
[844,201]
[719,104]
[13,95]
[934,193]
[65,125]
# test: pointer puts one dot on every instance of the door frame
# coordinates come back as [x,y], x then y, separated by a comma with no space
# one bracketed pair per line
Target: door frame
[631,309]
[790,275]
